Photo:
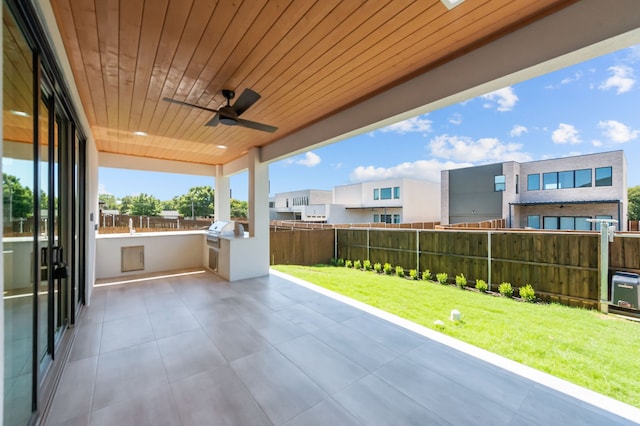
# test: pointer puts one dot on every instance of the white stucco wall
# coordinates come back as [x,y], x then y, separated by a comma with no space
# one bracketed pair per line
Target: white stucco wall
[163,251]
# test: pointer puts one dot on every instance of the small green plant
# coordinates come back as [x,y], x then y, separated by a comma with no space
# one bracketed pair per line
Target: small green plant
[340,262]
[505,289]
[442,277]
[357,264]
[400,271]
[481,285]
[367,265]
[348,264]
[387,268]
[377,267]
[527,293]
[333,261]
[426,275]
[461,281]
[413,274]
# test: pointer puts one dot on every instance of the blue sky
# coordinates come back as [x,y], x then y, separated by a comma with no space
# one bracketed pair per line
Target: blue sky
[586,108]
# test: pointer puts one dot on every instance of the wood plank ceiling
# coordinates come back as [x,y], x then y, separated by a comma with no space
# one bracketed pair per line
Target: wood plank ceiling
[308,59]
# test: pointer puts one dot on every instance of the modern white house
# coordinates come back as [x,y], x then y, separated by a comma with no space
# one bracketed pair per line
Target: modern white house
[309,205]
[217,89]
[384,201]
[561,193]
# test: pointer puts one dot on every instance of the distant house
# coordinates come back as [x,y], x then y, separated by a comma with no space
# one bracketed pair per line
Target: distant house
[560,193]
[385,201]
[308,205]
[170,214]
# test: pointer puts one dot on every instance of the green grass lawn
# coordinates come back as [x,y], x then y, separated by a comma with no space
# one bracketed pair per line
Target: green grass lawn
[599,352]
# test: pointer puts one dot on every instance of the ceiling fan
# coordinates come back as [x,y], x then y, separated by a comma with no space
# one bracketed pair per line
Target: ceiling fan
[229,114]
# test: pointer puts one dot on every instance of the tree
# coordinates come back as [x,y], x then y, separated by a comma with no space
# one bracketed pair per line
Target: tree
[17,199]
[633,197]
[109,200]
[239,209]
[146,205]
[198,202]
[126,204]
[169,204]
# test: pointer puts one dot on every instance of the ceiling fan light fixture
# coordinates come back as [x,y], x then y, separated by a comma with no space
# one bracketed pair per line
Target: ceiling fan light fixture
[229,121]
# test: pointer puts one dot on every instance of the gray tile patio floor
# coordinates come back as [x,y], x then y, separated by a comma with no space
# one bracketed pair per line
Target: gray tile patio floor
[191,349]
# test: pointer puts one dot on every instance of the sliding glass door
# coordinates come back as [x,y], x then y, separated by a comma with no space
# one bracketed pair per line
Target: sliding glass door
[43,223]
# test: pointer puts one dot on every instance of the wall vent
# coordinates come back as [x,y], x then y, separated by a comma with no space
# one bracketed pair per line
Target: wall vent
[132,259]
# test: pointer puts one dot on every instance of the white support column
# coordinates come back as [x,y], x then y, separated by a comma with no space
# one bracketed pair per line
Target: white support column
[222,200]
[258,197]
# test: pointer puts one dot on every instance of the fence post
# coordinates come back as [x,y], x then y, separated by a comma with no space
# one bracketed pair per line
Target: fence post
[368,252]
[604,267]
[417,250]
[335,244]
[489,259]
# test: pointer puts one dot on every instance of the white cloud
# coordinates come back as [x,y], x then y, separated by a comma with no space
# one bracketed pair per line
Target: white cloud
[518,130]
[596,143]
[633,54]
[455,119]
[565,133]
[102,189]
[622,79]
[617,132]
[413,125]
[310,160]
[506,99]
[422,169]
[462,148]
[567,80]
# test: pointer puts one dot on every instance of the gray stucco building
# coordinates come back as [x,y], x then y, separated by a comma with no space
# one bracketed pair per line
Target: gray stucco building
[558,193]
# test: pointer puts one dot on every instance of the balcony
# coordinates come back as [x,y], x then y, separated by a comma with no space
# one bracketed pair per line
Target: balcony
[189,348]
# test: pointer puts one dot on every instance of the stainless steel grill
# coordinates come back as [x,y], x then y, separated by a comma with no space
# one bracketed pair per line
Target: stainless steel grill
[218,229]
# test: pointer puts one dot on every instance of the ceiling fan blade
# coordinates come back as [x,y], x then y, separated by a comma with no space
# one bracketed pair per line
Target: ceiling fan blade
[214,121]
[256,126]
[173,101]
[248,98]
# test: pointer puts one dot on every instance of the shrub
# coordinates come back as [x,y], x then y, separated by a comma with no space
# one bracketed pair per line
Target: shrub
[377,267]
[482,285]
[461,281]
[527,293]
[426,275]
[442,277]
[413,274]
[348,264]
[400,271]
[357,264]
[333,261]
[505,289]
[387,268]
[340,262]
[367,265]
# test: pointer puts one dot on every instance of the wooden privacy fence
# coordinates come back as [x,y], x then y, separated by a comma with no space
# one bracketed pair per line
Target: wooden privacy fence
[562,267]
[302,247]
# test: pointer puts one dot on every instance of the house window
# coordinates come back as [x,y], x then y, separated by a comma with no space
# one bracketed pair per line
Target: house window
[550,180]
[567,223]
[517,184]
[386,218]
[385,193]
[396,218]
[376,194]
[603,176]
[376,218]
[533,221]
[550,222]
[565,179]
[499,183]
[396,192]
[583,178]
[533,182]
[582,224]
